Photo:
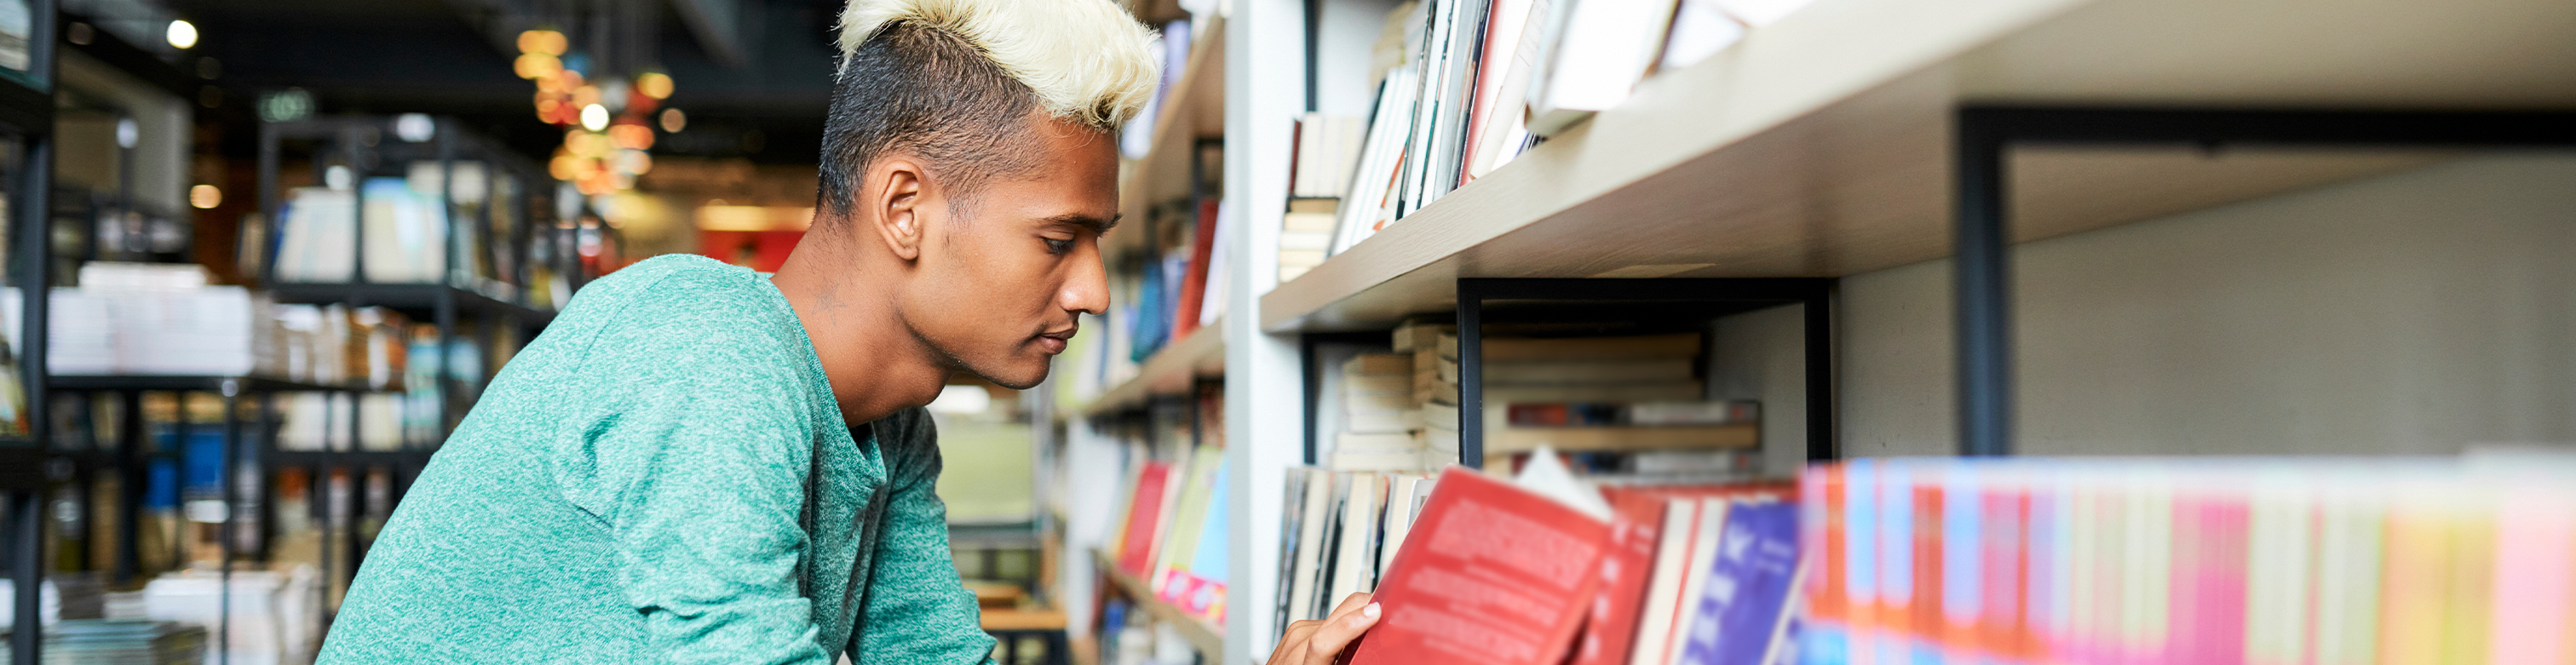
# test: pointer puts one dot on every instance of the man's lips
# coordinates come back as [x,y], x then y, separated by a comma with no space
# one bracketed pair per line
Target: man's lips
[1055,342]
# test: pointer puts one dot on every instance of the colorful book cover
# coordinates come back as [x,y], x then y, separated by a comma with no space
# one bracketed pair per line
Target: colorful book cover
[1745,599]
[1962,546]
[1821,634]
[1138,540]
[1636,527]
[1492,575]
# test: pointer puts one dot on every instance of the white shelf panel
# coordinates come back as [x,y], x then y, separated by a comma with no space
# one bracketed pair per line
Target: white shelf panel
[1821,145]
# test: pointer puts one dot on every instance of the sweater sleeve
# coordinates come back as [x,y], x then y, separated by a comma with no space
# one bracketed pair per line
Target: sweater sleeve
[916,610]
[699,472]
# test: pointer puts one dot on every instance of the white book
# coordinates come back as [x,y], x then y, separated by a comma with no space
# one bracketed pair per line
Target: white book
[1354,565]
[1366,199]
[1500,103]
[1664,588]
[1602,49]
[1400,511]
[1303,585]
[1703,556]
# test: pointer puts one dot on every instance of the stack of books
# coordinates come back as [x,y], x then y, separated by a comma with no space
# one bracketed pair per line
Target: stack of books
[1382,424]
[1319,176]
[1628,404]
[2191,560]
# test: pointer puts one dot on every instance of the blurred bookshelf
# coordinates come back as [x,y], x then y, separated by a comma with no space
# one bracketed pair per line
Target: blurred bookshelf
[1829,141]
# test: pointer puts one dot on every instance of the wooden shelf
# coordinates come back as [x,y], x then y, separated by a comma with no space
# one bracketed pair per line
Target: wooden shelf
[1210,640]
[1167,372]
[1195,110]
[1821,144]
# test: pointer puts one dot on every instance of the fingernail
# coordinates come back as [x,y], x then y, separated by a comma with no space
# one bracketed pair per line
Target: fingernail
[1370,611]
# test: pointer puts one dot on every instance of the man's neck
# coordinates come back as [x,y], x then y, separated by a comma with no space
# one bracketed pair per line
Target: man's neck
[875,365]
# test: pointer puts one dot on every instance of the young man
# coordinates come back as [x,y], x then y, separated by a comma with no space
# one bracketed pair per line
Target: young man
[696,463]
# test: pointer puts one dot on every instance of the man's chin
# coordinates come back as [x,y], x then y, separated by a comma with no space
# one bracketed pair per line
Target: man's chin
[1016,377]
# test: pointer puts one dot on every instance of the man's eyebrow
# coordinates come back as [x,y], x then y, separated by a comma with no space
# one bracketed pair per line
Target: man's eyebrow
[1096,224]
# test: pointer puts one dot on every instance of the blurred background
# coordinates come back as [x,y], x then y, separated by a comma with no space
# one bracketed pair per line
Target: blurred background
[294,239]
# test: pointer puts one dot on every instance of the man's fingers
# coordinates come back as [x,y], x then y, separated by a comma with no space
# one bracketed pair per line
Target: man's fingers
[1338,632]
[1351,603]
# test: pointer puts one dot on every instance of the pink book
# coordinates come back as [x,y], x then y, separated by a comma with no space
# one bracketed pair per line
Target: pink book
[2535,540]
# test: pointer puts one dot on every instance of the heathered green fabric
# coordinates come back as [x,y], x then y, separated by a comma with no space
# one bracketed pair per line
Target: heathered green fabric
[632,488]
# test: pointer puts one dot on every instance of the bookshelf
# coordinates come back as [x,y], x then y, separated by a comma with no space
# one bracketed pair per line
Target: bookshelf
[1193,112]
[1170,371]
[1207,639]
[1836,160]
[1827,145]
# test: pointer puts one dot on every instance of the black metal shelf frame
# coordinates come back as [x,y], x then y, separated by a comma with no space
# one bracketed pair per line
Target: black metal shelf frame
[1813,294]
[27,111]
[1988,133]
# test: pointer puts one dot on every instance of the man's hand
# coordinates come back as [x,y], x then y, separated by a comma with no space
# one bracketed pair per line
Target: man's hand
[1322,642]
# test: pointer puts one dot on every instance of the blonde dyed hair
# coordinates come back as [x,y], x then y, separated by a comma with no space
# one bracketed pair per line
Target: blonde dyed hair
[1086,61]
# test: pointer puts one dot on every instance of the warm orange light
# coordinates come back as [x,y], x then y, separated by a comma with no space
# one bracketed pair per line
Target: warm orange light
[543,41]
[585,95]
[534,65]
[561,167]
[673,120]
[631,136]
[205,196]
[656,85]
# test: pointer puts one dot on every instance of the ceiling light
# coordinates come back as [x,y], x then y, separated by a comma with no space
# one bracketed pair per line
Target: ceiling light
[183,34]
[205,196]
[673,120]
[594,117]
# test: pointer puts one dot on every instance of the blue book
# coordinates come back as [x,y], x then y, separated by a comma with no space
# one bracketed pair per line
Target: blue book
[1748,587]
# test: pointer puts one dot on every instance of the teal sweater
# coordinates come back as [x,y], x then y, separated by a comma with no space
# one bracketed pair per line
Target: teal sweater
[634,487]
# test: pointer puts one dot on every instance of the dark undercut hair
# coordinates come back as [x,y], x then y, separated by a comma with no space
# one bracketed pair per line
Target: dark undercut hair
[926,92]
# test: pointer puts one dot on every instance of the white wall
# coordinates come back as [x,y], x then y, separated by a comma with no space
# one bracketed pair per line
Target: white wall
[1761,356]
[2419,312]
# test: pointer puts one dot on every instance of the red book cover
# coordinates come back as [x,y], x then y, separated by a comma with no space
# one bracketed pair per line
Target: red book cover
[1185,315]
[1822,491]
[1924,618]
[1491,575]
[1136,547]
[1636,525]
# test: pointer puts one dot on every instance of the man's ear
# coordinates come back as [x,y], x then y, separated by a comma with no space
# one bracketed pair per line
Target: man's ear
[898,200]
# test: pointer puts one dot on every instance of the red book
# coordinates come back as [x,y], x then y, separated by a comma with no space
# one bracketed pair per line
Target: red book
[1143,532]
[1185,315]
[1636,525]
[1491,575]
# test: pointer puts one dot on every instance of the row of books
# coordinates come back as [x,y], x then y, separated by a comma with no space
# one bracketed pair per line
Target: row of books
[165,319]
[1479,81]
[1342,527]
[1172,519]
[1630,404]
[1545,568]
[407,224]
[2191,560]
[1176,288]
